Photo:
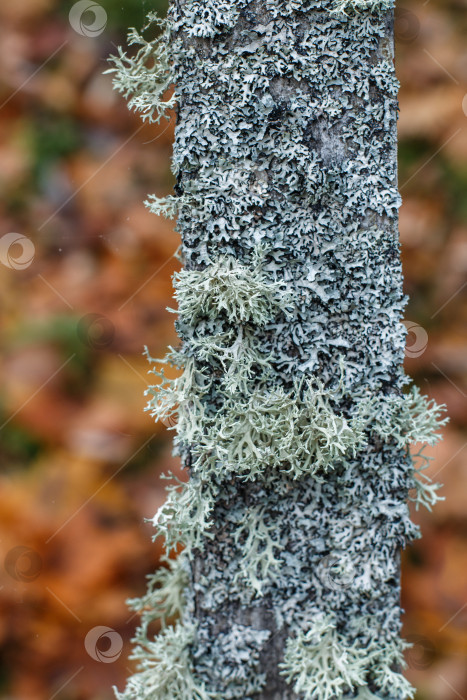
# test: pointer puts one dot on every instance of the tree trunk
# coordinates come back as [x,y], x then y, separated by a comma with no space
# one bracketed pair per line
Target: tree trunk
[291,418]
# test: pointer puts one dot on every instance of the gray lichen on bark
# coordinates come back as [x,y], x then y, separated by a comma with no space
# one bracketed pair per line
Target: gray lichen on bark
[294,420]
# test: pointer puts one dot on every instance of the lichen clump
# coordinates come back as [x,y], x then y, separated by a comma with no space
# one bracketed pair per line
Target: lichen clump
[321,663]
[291,411]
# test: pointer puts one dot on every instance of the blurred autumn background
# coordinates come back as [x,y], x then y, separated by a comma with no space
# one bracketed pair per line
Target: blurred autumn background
[85,281]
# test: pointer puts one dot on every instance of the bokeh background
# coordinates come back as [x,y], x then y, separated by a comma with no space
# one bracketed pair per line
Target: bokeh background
[85,279]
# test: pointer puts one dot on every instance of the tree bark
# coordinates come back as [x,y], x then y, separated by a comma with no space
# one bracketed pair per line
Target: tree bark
[290,320]
[322,87]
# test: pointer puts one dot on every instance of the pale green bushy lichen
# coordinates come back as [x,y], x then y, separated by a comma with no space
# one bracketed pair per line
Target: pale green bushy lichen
[387,662]
[241,293]
[406,418]
[165,594]
[166,669]
[164,661]
[178,403]
[425,490]
[239,355]
[252,433]
[167,206]
[259,545]
[321,664]
[343,6]
[184,519]
[296,432]
[384,653]
[146,78]
[257,430]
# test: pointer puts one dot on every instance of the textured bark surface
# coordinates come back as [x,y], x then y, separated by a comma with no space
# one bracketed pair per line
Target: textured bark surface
[332,232]
[291,416]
